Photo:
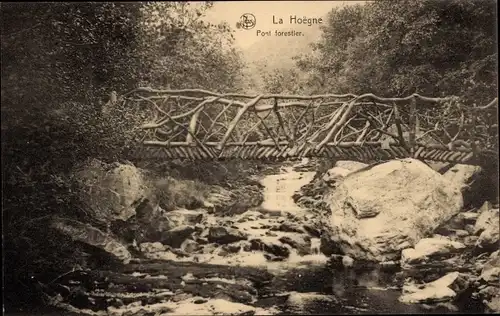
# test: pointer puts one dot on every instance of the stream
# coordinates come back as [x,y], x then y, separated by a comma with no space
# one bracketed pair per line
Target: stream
[320,289]
[307,283]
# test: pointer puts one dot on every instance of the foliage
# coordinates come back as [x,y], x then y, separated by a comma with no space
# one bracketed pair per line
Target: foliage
[437,48]
[173,193]
[189,52]
[283,81]
[60,61]
[394,49]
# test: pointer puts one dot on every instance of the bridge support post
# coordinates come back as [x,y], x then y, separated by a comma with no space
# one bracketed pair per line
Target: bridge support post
[412,125]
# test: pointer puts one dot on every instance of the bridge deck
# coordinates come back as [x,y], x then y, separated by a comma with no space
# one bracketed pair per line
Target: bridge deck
[352,151]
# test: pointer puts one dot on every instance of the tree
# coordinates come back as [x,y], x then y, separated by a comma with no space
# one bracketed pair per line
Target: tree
[60,64]
[397,48]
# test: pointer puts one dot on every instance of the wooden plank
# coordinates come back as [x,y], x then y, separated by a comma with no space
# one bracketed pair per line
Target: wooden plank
[430,153]
[245,151]
[330,152]
[271,153]
[456,156]
[405,152]
[263,153]
[435,155]
[178,153]
[448,155]
[443,155]
[260,152]
[237,152]
[361,154]
[196,153]
[418,152]
[467,157]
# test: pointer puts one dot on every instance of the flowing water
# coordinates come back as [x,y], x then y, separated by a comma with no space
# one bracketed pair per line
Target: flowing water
[308,284]
[317,288]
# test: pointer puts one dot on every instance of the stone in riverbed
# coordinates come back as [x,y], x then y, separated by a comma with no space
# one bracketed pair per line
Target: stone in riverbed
[151,247]
[461,233]
[269,246]
[493,305]
[491,269]
[273,258]
[232,248]
[92,236]
[430,249]
[312,230]
[290,227]
[300,242]
[488,218]
[468,217]
[222,235]
[176,236]
[328,246]
[488,229]
[183,217]
[250,216]
[488,240]
[347,262]
[443,289]
[190,246]
[489,283]
[376,212]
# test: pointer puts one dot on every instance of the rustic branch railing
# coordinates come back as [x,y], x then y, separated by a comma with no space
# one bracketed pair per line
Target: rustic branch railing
[199,124]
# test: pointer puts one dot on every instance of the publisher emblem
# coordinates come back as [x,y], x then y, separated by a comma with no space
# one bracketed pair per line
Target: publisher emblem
[247,21]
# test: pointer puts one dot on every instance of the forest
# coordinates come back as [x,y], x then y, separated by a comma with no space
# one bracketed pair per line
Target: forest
[62,61]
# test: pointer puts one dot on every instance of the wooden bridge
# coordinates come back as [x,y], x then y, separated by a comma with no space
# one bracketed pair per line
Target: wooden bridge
[203,125]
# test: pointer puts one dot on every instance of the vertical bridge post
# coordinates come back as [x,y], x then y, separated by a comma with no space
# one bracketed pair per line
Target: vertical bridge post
[413,125]
[192,126]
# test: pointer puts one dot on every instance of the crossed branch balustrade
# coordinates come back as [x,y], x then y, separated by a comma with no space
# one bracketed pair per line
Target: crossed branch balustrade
[198,124]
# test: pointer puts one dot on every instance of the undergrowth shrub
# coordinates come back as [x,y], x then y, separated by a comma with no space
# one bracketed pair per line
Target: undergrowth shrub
[172,193]
[40,150]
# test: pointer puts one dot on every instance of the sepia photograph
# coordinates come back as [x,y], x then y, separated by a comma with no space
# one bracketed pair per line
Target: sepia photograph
[169,158]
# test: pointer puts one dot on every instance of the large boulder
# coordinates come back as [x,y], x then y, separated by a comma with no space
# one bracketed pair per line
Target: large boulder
[92,236]
[112,191]
[379,211]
